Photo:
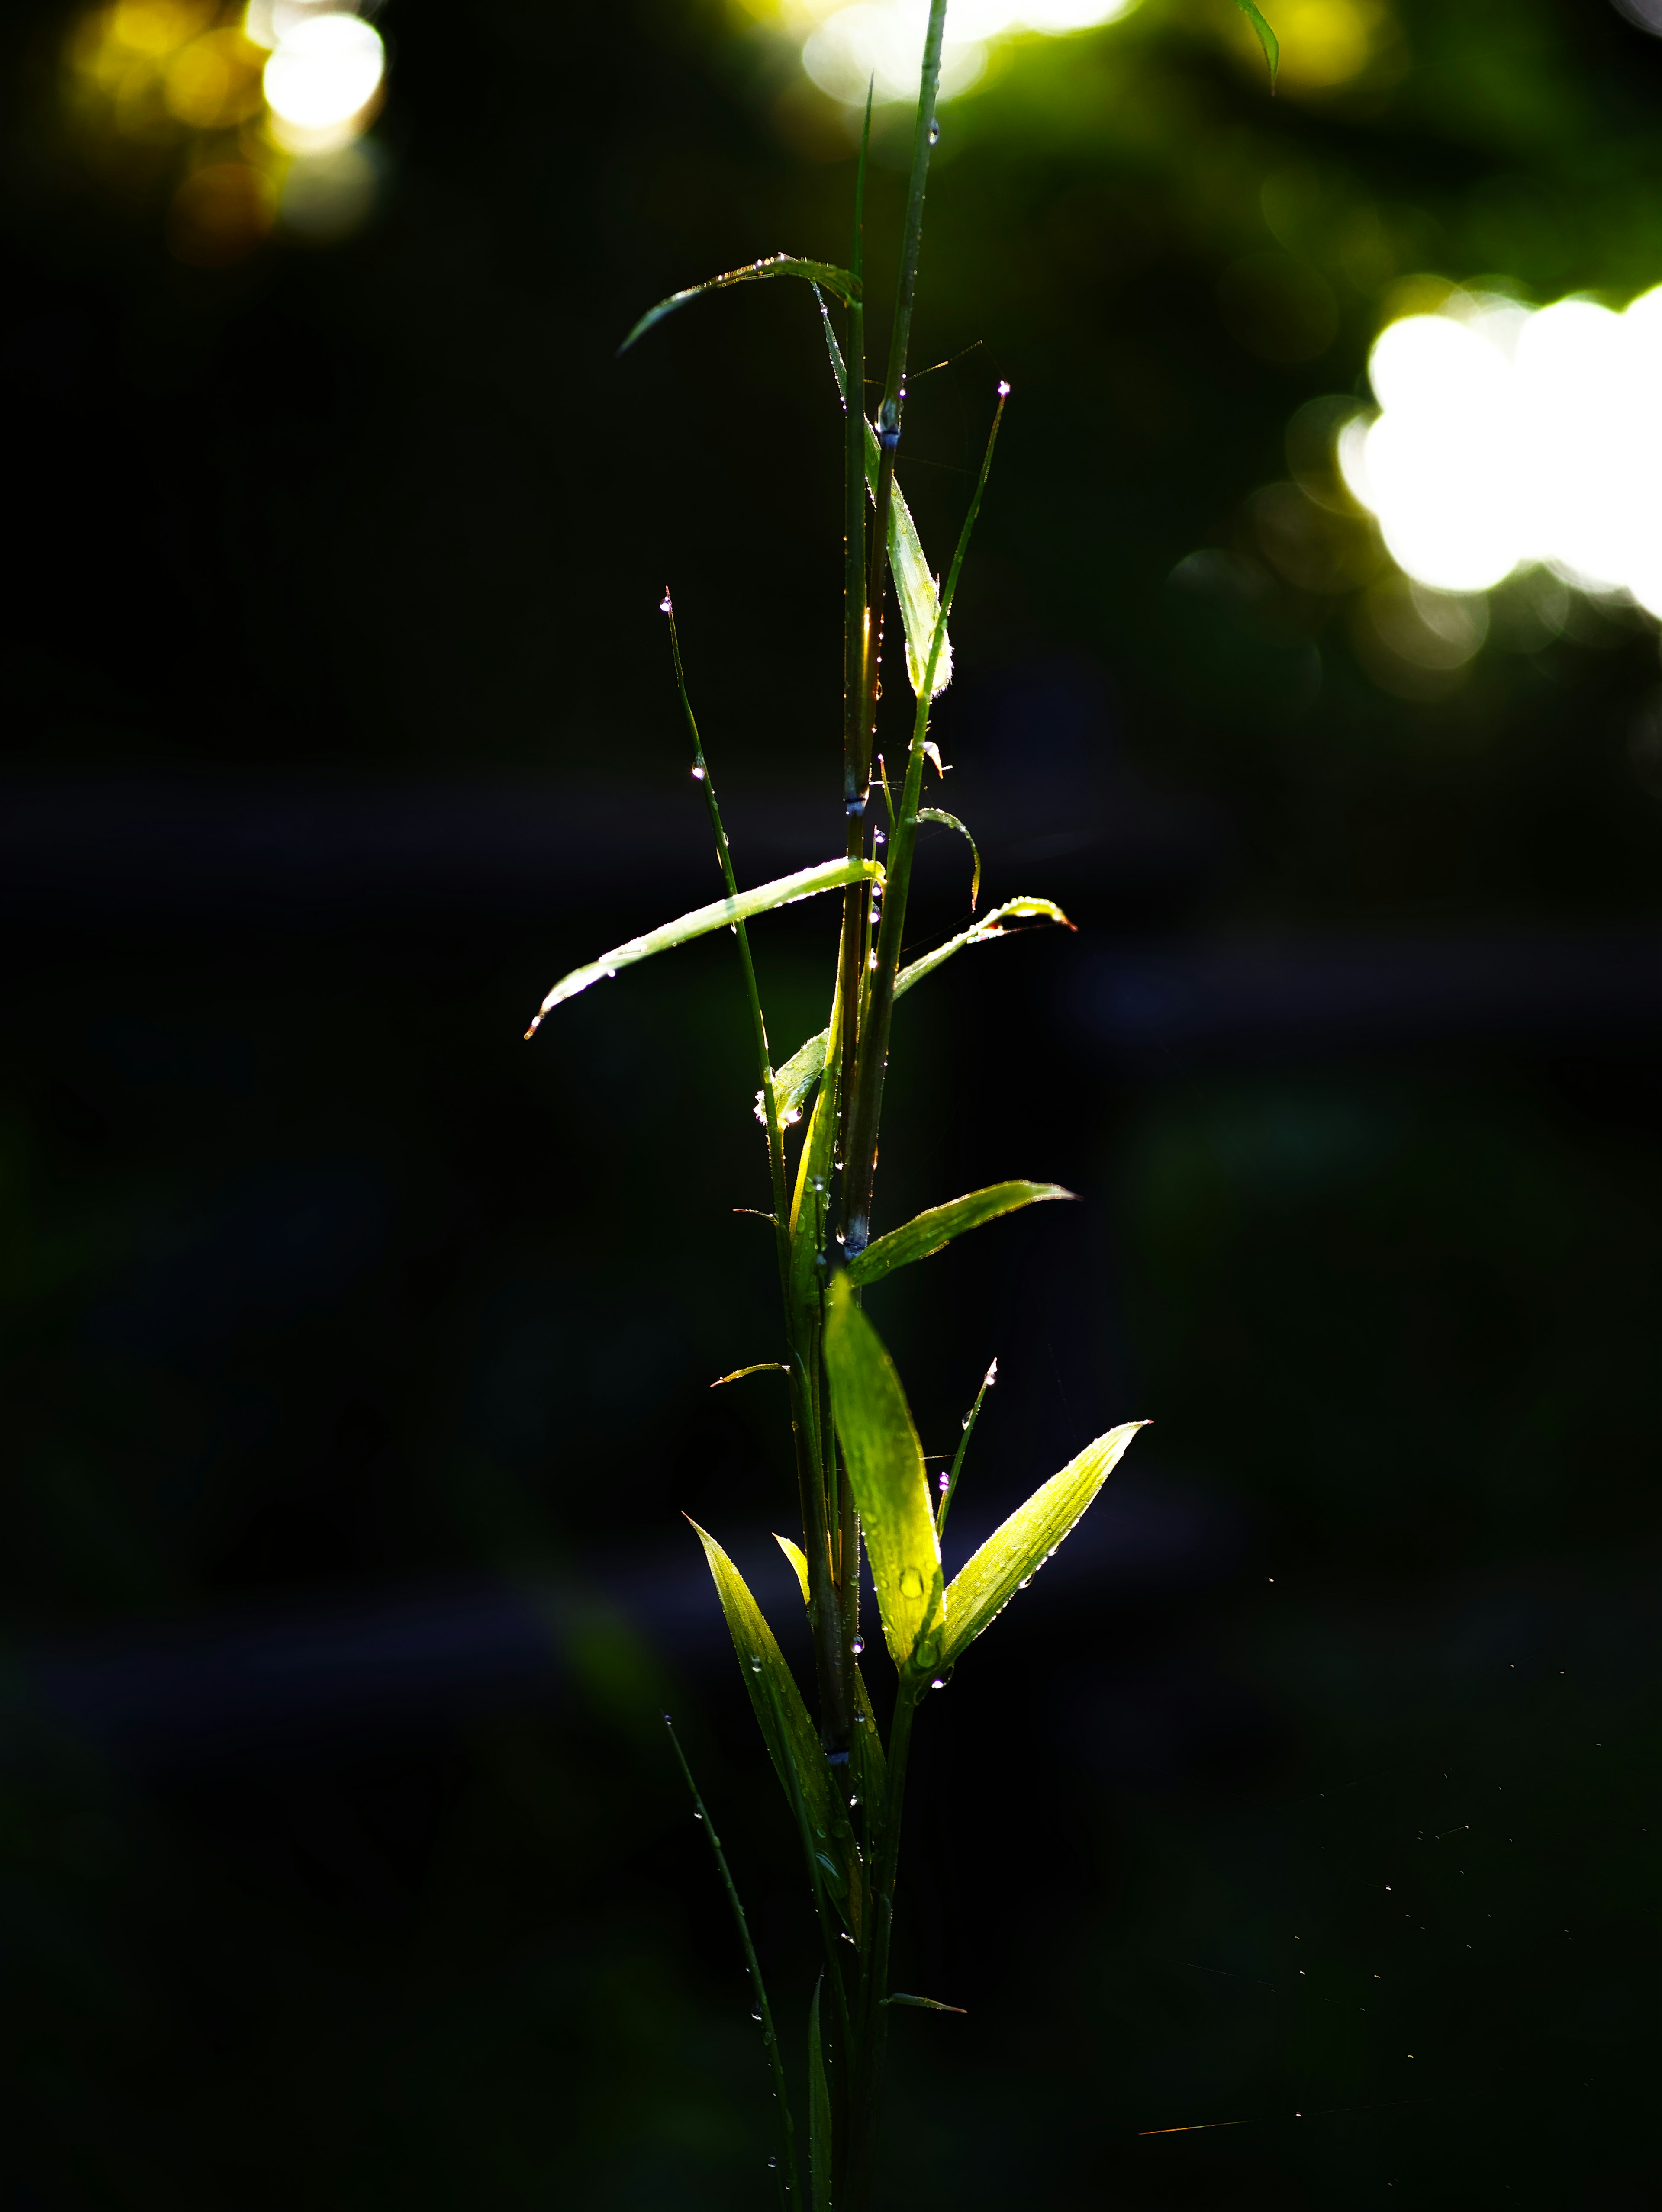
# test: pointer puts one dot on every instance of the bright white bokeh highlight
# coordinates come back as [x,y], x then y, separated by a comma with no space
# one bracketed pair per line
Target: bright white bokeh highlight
[845,47]
[1508,436]
[322,81]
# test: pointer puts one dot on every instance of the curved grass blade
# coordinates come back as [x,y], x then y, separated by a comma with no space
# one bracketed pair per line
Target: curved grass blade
[1014,1553]
[950,1486]
[885,1462]
[928,2004]
[799,1559]
[914,579]
[819,2114]
[932,1231]
[835,280]
[951,821]
[791,1738]
[762,1367]
[796,1079]
[781,2094]
[1267,38]
[785,890]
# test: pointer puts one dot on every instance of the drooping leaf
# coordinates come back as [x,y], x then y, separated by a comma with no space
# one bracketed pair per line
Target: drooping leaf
[885,1462]
[791,1738]
[820,2114]
[951,821]
[762,1367]
[981,933]
[1014,1553]
[1267,38]
[928,2005]
[836,280]
[930,1232]
[785,890]
[806,1064]
[799,1559]
[914,579]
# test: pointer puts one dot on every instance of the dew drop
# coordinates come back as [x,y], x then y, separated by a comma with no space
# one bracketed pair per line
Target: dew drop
[755,1663]
[912,1582]
[697,775]
[939,1683]
[857,1647]
[935,131]
[1023,1584]
[756,2016]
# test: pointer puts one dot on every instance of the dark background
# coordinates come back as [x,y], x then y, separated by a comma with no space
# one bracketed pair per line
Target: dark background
[356,1353]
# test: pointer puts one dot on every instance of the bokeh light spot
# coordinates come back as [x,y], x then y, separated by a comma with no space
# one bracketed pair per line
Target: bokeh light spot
[219,215]
[322,82]
[880,42]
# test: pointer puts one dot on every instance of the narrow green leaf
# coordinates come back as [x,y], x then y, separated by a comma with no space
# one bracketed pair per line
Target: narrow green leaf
[930,1232]
[785,890]
[775,264]
[803,1070]
[1267,38]
[819,2114]
[762,1367]
[928,2004]
[1014,1553]
[981,933]
[914,579]
[791,1738]
[885,1462]
[799,1559]
[872,1771]
[967,1425]
[794,1084]
[951,821]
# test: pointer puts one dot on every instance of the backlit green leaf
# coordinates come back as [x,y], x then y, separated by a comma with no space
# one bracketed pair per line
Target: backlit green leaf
[785,890]
[1267,38]
[1014,1553]
[929,1232]
[776,264]
[951,821]
[792,1740]
[820,2114]
[762,1367]
[799,1559]
[796,1079]
[914,579]
[928,2005]
[870,1766]
[885,1462]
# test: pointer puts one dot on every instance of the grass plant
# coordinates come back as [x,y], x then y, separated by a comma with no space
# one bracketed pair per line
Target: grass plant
[862,1488]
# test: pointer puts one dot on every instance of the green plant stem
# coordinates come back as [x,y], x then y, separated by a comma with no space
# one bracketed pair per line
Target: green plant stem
[875,1964]
[861,1160]
[834,1692]
[781,2095]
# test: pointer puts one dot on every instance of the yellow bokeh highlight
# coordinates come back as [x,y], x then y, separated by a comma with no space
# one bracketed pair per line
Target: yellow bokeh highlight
[214,82]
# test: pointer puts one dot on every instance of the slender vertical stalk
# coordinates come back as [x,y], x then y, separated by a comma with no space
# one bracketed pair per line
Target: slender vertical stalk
[874,1965]
[827,1610]
[781,2094]
[867,1107]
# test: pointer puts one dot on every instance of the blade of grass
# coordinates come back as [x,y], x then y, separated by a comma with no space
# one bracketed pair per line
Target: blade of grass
[776,2063]
[950,822]
[928,2005]
[1267,38]
[843,282]
[860,1150]
[885,1463]
[785,890]
[967,1424]
[819,2112]
[1015,1551]
[931,1232]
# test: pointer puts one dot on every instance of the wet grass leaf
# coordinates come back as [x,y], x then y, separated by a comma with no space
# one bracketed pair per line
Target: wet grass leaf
[835,280]
[885,1462]
[820,2114]
[951,821]
[932,1231]
[1015,1552]
[1267,38]
[799,1559]
[783,890]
